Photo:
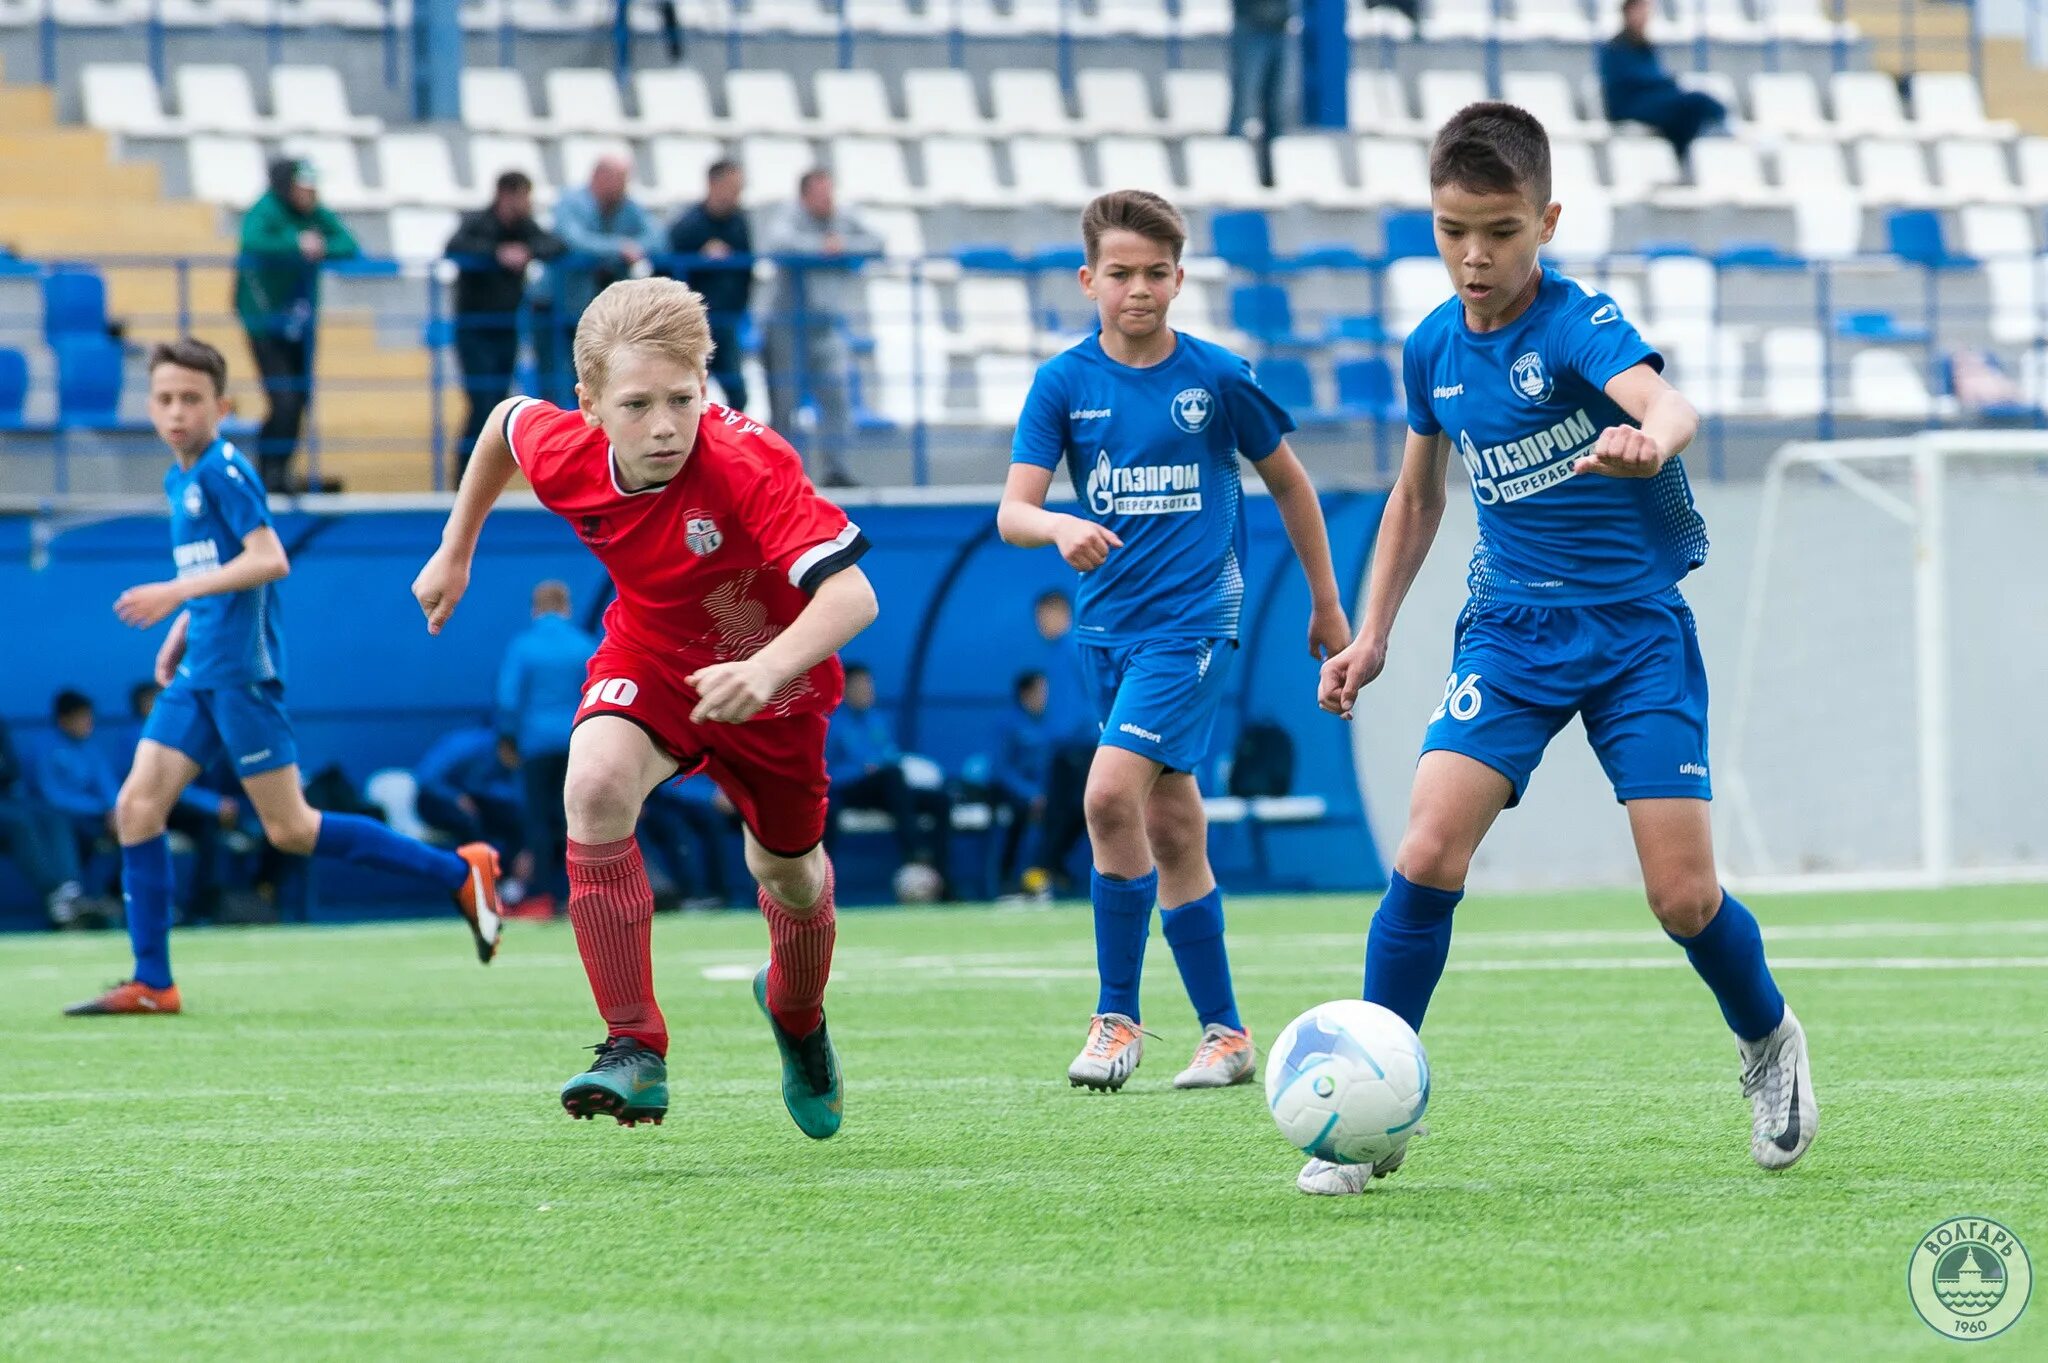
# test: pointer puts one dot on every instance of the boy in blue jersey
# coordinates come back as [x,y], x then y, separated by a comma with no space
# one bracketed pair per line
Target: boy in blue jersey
[1151,423]
[222,667]
[1570,437]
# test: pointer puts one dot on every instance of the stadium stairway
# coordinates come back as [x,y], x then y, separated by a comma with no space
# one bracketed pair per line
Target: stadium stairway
[67,198]
[1934,35]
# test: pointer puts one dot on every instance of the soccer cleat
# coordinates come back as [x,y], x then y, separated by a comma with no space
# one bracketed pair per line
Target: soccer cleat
[628,1081]
[1779,1087]
[478,898]
[131,996]
[1225,1057]
[810,1072]
[1326,1178]
[1115,1046]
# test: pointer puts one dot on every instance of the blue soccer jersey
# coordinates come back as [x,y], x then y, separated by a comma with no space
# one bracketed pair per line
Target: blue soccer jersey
[1521,404]
[233,637]
[1153,456]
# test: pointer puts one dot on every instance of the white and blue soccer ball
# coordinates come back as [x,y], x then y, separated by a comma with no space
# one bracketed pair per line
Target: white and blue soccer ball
[1347,1082]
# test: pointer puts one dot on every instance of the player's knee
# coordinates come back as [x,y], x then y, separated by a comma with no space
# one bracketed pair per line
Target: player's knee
[796,883]
[601,802]
[1684,904]
[1177,835]
[1431,856]
[293,834]
[1112,811]
[139,814]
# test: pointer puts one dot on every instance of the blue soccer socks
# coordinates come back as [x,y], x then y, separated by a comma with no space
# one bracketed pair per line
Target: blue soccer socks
[1729,955]
[146,888]
[1407,945]
[351,837]
[1195,932]
[1123,917]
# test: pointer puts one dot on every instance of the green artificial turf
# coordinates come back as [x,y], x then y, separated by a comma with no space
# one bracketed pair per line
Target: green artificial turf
[349,1147]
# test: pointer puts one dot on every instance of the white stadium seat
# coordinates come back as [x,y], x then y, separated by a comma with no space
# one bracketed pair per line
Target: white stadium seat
[492,154]
[853,101]
[415,168]
[774,165]
[419,236]
[941,102]
[1455,20]
[1949,104]
[340,174]
[764,102]
[312,99]
[675,100]
[1415,287]
[2017,297]
[1309,168]
[679,165]
[1993,231]
[1047,170]
[496,100]
[1893,171]
[1724,171]
[1681,293]
[1001,383]
[215,97]
[229,171]
[797,18]
[901,231]
[1379,105]
[1866,104]
[122,97]
[962,170]
[1807,168]
[2032,155]
[1135,163]
[1573,171]
[878,168]
[1114,100]
[580,153]
[995,314]
[1442,93]
[1561,21]
[1223,172]
[1393,170]
[1794,384]
[1638,166]
[1886,384]
[1197,101]
[1786,104]
[1828,226]
[1974,169]
[1548,95]
[1585,229]
[1028,101]
[585,99]
[1706,364]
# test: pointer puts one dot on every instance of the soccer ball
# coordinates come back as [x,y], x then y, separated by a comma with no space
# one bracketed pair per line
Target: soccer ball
[917,883]
[1347,1082]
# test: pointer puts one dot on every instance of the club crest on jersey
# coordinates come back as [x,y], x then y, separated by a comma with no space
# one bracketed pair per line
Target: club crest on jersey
[195,500]
[1529,378]
[593,531]
[1192,408]
[702,534]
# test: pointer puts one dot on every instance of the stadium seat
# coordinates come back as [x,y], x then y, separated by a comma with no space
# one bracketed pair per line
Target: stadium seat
[1561,21]
[854,102]
[13,388]
[1194,312]
[1028,101]
[1638,166]
[1243,240]
[419,236]
[492,154]
[877,168]
[910,361]
[1286,380]
[88,380]
[580,154]
[1223,171]
[1888,385]
[1408,235]
[994,314]
[1893,171]
[1706,364]
[1990,231]
[1721,86]
[1724,171]
[1805,21]
[1127,162]
[1202,18]
[1365,388]
[1019,19]
[495,100]
[1786,104]
[228,171]
[2031,153]
[74,304]
[1866,104]
[585,99]
[679,166]
[1442,93]
[1949,104]
[416,168]
[341,175]
[1379,105]
[765,102]
[1681,293]
[1972,169]
[122,97]
[890,18]
[1115,100]
[1573,171]
[1197,101]
[2018,298]
[793,18]
[962,170]
[675,100]
[1309,168]
[901,231]
[98,13]
[214,97]
[1392,171]
[774,165]
[1795,384]
[1722,21]
[1807,169]
[1915,234]
[937,103]
[1459,20]
[1585,230]
[1548,95]
[312,99]
[1048,170]
[1266,314]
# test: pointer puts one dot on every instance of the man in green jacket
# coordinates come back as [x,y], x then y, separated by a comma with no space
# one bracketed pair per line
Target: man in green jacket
[285,236]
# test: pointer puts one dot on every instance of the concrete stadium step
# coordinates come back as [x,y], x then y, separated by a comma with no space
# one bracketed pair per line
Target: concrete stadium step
[25,107]
[117,182]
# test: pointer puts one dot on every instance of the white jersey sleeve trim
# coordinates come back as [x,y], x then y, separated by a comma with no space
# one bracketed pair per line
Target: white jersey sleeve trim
[511,418]
[818,555]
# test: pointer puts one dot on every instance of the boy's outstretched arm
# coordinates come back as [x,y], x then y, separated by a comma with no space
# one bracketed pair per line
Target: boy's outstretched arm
[1294,493]
[262,560]
[732,693]
[1023,520]
[1666,425]
[440,585]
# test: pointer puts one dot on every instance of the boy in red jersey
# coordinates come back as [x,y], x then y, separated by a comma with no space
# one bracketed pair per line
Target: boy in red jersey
[737,587]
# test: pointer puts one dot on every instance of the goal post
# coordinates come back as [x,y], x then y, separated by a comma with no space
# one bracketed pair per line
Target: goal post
[1864,551]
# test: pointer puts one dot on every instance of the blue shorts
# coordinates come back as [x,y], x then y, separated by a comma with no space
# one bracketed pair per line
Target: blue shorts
[1158,697]
[1631,670]
[247,723]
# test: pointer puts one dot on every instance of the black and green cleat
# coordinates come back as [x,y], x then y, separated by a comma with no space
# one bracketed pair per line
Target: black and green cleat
[628,1082]
[810,1072]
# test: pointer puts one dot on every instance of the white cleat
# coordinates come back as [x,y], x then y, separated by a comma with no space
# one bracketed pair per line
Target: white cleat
[1115,1045]
[1325,1178]
[1779,1087]
[1225,1057]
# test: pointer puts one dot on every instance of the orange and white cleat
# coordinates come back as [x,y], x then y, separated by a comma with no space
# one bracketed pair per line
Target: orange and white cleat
[1225,1057]
[130,996]
[478,898]
[1115,1046]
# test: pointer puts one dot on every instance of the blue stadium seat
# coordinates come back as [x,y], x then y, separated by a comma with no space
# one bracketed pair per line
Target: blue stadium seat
[1287,381]
[1245,240]
[1264,312]
[1915,234]
[1365,388]
[74,303]
[13,388]
[1408,234]
[88,380]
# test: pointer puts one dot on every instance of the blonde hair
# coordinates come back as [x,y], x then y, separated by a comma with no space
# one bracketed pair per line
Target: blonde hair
[661,315]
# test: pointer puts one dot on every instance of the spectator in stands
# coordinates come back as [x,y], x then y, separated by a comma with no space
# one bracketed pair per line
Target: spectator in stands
[717,229]
[866,768]
[1258,62]
[469,789]
[815,294]
[1636,88]
[608,235]
[286,235]
[1023,762]
[73,776]
[492,247]
[38,840]
[1072,732]
[540,686]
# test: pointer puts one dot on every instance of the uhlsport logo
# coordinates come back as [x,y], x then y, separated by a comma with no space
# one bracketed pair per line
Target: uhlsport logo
[1970,1278]
[1192,408]
[1530,378]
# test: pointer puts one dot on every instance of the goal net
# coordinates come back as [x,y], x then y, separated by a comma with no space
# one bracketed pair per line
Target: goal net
[1889,721]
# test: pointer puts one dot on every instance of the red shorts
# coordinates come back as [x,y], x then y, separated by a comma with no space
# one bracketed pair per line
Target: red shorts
[772,769]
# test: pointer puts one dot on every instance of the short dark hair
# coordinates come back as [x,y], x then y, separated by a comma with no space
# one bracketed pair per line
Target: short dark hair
[1025,681]
[144,689]
[859,670]
[1493,148]
[513,182]
[1133,210]
[724,165]
[811,177]
[69,703]
[189,352]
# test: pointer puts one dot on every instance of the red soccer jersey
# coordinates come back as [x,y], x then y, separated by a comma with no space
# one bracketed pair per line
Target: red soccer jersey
[710,566]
